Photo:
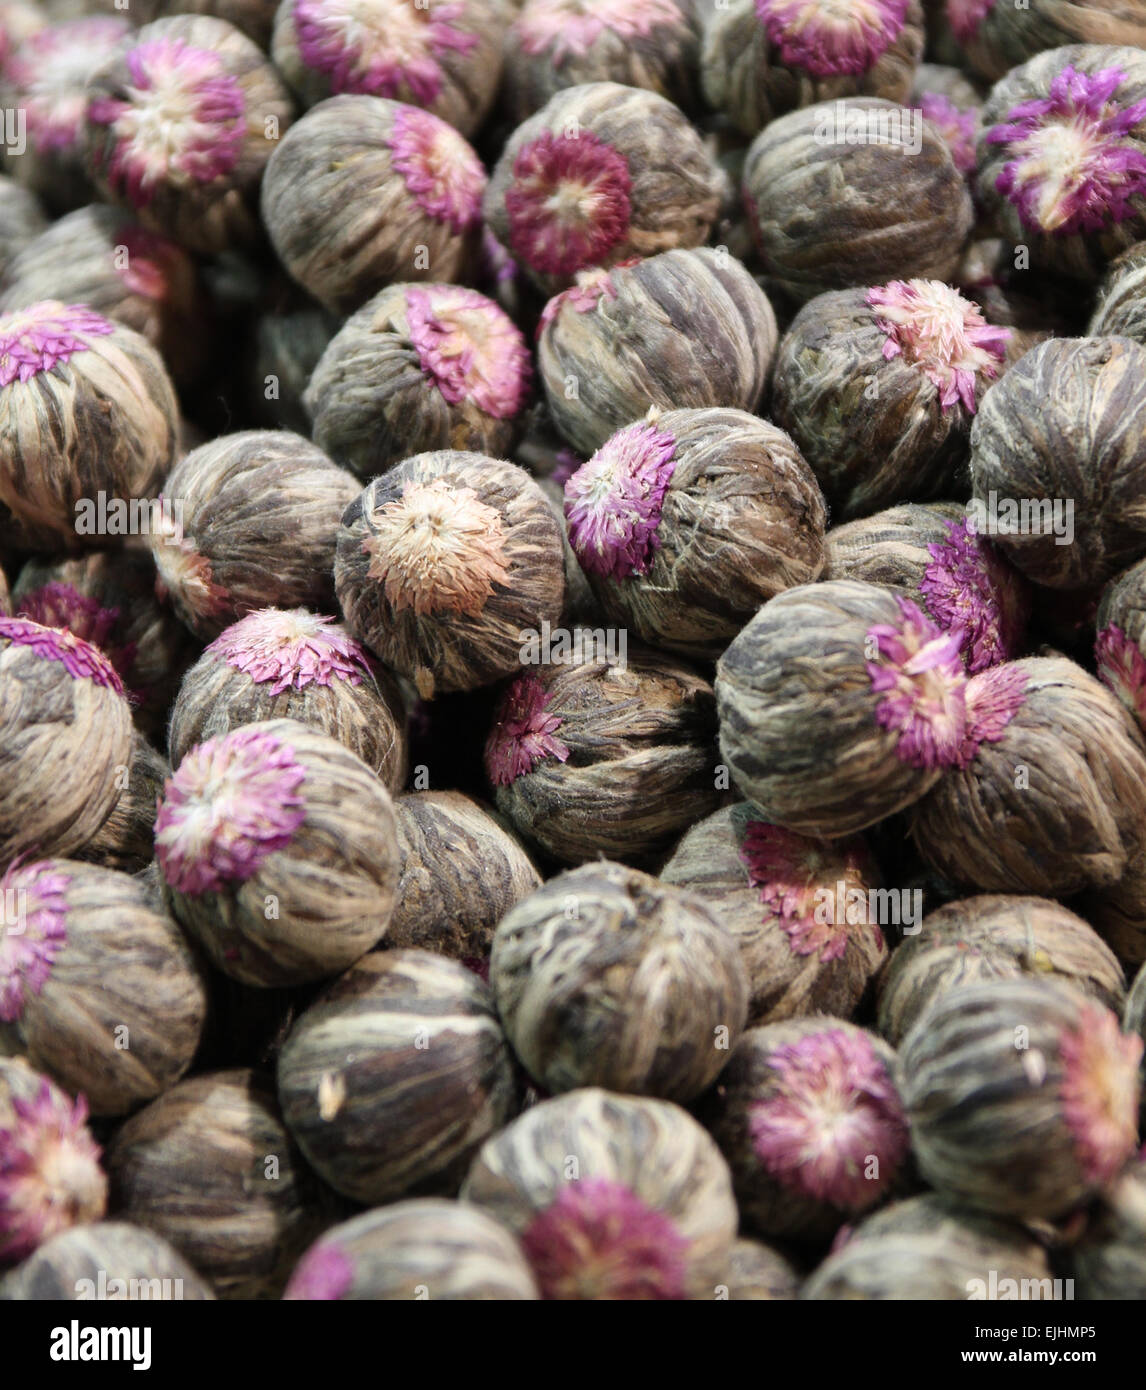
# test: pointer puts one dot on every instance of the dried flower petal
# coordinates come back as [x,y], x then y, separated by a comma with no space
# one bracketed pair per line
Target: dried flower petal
[324,1274]
[50,68]
[994,697]
[959,128]
[185,572]
[80,659]
[441,172]
[291,649]
[56,604]
[1100,1091]
[570,28]
[33,918]
[590,287]
[44,335]
[832,37]
[920,675]
[469,348]
[522,733]
[961,587]
[1122,666]
[965,16]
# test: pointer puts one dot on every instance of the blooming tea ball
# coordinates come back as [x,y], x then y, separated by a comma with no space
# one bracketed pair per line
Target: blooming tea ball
[685,328]
[418,368]
[364,191]
[829,211]
[1107,1262]
[104,1259]
[758,1274]
[391,1079]
[22,220]
[601,173]
[612,1197]
[1120,307]
[445,563]
[951,103]
[126,840]
[181,123]
[995,38]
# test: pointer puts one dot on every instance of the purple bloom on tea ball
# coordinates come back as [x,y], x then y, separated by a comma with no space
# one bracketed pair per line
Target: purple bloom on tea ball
[613,502]
[569,28]
[994,697]
[569,202]
[1100,1091]
[567,463]
[291,649]
[585,295]
[920,676]
[965,16]
[44,335]
[833,1110]
[1122,667]
[145,267]
[523,733]
[469,348]
[80,659]
[231,802]
[831,37]
[943,334]
[56,604]
[184,571]
[324,1274]
[958,128]
[185,122]
[440,170]
[35,894]
[599,1240]
[50,69]
[1071,169]
[962,585]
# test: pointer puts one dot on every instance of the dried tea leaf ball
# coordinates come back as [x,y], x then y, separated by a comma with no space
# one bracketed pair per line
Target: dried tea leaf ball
[278,852]
[1022,1096]
[445,563]
[612,1197]
[591,757]
[797,907]
[99,989]
[395,1075]
[125,840]
[292,664]
[50,1178]
[462,871]
[364,191]
[606,977]
[253,519]
[445,58]
[996,37]
[105,1259]
[417,368]
[879,387]
[601,173]
[762,58]
[852,194]
[181,123]
[426,1248]
[685,328]
[808,1116]
[86,408]
[1057,463]
[951,103]
[210,1167]
[758,1274]
[1108,1261]
[22,220]
[994,937]
[65,730]
[1120,307]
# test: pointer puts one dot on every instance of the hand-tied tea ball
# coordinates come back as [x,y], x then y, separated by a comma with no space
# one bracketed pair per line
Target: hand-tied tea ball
[606,977]
[1058,463]
[994,937]
[685,328]
[429,1248]
[878,387]
[612,1197]
[50,1178]
[292,664]
[65,731]
[591,756]
[210,1168]
[22,220]
[1120,307]
[180,125]
[1107,1262]
[762,58]
[807,1115]
[756,1273]
[364,191]
[278,852]
[1022,1096]
[99,989]
[601,173]
[462,871]
[995,38]
[1120,648]
[418,368]
[395,1075]
[951,103]
[853,193]
[797,907]
[86,407]
[251,523]
[126,840]
[104,1260]
[445,563]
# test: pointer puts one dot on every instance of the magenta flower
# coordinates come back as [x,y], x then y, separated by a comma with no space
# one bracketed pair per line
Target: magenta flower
[959,129]
[146,267]
[232,801]
[1122,667]
[523,733]
[965,16]
[60,605]
[1072,168]
[49,70]
[565,465]
[584,296]
[828,38]
[469,348]
[1100,1091]
[44,336]
[613,503]
[994,697]
[33,931]
[972,592]
[441,172]
[324,1274]
[919,675]
[497,263]
[80,659]
[291,650]
[570,28]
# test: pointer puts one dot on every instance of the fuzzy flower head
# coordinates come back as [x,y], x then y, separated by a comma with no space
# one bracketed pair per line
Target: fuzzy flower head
[931,325]
[613,503]
[231,802]
[60,605]
[1071,167]
[380,48]
[50,70]
[569,28]
[1100,1091]
[44,336]
[33,931]
[829,38]
[185,572]
[600,1241]
[469,348]
[183,122]
[971,591]
[994,697]
[569,204]
[1122,667]
[523,733]
[832,1109]
[918,674]
[958,128]
[80,659]
[324,1274]
[291,649]
[965,16]
[441,172]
